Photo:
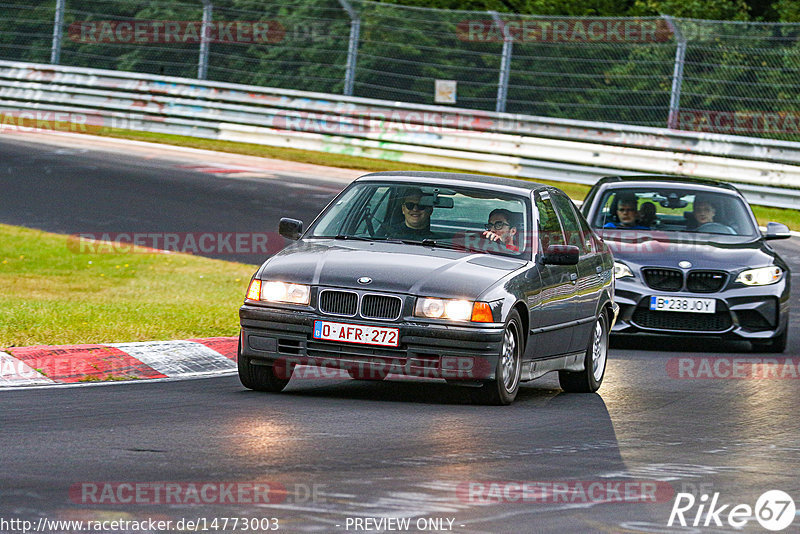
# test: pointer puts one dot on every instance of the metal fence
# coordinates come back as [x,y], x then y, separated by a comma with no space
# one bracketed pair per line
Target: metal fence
[728,77]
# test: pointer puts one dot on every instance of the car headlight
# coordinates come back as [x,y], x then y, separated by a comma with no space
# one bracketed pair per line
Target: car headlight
[274,291]
[621,270]
[453,309]
[760,277]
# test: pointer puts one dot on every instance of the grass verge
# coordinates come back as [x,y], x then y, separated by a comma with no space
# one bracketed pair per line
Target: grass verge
[576,191]
[50,294]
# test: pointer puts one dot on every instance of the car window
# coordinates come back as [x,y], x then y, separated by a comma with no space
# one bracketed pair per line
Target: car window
[336,213]
[549,227]
[569,221]
[454,217]
[375,212]
[673,210]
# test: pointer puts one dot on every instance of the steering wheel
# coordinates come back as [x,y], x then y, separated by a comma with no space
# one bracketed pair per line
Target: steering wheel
[374,226]
[716,228]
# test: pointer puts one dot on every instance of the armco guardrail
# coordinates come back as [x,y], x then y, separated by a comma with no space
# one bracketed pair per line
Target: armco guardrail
[508,144]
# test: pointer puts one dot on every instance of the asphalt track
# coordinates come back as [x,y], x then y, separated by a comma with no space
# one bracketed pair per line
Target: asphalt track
[393,449]
[65,185]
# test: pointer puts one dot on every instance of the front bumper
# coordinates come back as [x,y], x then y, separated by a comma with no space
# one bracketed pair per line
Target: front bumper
[284,337]
[750,313]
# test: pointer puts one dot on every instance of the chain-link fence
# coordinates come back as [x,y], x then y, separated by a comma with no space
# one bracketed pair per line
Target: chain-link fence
[728,77]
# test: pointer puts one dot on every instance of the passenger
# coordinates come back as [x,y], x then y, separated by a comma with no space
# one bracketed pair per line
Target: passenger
[502,228]
[647,214]
[627,214]
[416,223]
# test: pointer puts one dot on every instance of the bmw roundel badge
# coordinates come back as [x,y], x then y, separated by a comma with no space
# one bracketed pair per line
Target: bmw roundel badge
[365,280]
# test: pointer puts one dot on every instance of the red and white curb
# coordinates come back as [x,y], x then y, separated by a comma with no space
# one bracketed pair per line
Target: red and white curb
[70,364]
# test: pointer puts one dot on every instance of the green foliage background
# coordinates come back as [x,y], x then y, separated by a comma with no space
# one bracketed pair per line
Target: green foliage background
[738,67]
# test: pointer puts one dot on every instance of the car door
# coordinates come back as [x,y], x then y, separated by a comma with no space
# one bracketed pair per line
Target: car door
[589,269]
[553,313]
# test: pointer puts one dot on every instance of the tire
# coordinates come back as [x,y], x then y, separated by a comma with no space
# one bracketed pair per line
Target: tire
[260,377]
[503,389]
[775,345]
[594,363]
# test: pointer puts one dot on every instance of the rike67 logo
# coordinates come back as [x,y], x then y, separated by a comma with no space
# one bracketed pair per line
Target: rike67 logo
[774,510]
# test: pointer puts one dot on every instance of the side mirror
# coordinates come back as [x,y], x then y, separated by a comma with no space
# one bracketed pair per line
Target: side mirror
[561,255]
[777,231]
[290,228]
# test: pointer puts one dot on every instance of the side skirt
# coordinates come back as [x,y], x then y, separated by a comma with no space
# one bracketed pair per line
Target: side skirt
[568,362]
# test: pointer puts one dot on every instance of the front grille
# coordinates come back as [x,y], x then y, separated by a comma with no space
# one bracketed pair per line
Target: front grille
[663,279]
[698,322]
[380,307]
[705,281]
[338,302]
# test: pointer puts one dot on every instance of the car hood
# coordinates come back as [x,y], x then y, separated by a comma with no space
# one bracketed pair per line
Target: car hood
[704,251]
[392,267]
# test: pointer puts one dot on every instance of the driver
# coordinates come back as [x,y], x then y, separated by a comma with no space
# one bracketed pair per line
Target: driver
[704,211]
[416,223]
[705,217]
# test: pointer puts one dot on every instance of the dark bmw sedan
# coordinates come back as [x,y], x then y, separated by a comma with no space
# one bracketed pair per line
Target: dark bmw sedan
[690,260]
[482,281]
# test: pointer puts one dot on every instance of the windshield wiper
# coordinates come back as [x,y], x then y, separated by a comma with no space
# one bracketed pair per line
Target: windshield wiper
[433,243]
[346,237]
[355,238]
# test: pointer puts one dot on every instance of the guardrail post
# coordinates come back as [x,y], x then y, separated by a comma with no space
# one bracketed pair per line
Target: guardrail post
[58,33]
[352,47]
[202,61]
[677,74]
[505,63]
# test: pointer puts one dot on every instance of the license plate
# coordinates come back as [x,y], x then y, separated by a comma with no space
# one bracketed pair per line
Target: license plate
[356,333]
[683,304]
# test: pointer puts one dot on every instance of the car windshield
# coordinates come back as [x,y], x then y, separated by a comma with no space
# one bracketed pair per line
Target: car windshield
[470,219]
[674,210]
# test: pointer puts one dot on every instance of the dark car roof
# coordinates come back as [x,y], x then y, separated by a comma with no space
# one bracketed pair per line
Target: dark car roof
[519,186]
[666,180]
